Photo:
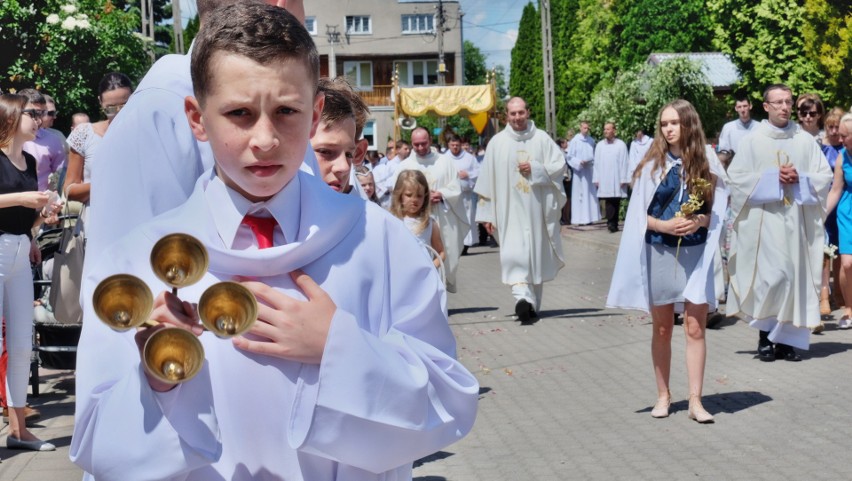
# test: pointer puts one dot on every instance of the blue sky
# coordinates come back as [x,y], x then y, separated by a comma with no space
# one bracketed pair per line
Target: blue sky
[492,25]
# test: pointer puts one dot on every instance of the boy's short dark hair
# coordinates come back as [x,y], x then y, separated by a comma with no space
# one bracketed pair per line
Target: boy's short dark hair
[33,96]
[260,32]
[402,143]
[453,138]
[341,101]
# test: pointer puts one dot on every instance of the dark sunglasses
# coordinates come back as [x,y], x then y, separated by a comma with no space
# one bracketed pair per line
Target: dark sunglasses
[811,113]
[50,113]
[34,114]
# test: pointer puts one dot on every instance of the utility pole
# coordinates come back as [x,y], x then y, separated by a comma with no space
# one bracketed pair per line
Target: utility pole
[333,39]
[178,26]
[442,67]
[547,54]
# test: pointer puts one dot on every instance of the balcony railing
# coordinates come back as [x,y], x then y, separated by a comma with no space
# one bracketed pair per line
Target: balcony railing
[379,96]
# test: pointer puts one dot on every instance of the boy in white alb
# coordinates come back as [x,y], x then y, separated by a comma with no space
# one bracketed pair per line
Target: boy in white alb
[349,372]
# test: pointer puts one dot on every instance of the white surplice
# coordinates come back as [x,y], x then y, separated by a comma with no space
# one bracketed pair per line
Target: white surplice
[629,287]
[585,208]
[388,391]
[524,209]
[638,148]
[775,263]
[149,160]
[467,162]
[441,173]
[610,170]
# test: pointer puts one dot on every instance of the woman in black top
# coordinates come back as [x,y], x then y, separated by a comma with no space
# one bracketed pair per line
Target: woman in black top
[22,209]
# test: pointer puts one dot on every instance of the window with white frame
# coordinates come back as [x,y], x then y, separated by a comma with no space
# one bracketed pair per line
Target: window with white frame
[417,72]
[418,23]
[358,24]
[311,25]
[360,74]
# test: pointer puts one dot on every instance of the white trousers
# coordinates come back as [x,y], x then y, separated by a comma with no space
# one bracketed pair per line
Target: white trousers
[531,292]
[16,299]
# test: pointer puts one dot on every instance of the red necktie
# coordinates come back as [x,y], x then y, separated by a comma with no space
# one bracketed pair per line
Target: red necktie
[262,227]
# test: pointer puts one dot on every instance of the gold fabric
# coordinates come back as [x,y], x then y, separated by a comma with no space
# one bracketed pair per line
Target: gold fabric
[446,101]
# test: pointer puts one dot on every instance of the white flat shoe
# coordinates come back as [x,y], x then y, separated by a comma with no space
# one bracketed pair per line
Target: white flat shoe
[661,408]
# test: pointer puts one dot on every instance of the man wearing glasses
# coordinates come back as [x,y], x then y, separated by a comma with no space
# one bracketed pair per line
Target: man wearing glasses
[48,148]
[779,181]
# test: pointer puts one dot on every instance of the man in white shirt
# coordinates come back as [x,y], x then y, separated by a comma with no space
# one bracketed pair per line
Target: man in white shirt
[148,161]
[610,175]
[468,169]
[779,182]
[735,130]
[384,174]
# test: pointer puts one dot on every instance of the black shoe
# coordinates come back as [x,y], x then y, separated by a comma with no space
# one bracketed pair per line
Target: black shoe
[523,309]
[787,353]
[464,250]
[766,352]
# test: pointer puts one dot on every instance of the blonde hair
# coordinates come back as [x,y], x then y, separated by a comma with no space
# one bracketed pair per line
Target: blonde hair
[415,180]
[11,108]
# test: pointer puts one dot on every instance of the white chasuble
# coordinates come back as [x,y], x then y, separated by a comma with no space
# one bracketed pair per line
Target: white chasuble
[776,255]
[525,210]
[585,208]
[443,177]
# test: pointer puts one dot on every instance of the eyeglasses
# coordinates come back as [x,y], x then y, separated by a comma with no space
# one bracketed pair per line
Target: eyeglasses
[34,114]
[810,113]
[50,113]
[780,103]
[113,109]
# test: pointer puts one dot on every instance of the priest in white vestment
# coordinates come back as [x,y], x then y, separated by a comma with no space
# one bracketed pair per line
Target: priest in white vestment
[779,182]
[610,174]
[447,204]
[468,169]
[521,199]
[585,208]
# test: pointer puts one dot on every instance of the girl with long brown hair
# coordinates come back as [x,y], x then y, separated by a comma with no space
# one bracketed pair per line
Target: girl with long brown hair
[670,236]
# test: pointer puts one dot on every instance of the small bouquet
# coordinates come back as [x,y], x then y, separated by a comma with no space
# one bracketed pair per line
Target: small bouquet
[697,192]
[830,251]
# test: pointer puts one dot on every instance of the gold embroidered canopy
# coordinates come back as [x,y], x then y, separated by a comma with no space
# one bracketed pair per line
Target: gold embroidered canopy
[446,101]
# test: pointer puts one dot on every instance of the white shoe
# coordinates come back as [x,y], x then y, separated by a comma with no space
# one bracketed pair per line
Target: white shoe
[844,323]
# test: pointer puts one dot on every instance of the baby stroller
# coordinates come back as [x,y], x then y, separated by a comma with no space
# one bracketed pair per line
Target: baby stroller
[55,338]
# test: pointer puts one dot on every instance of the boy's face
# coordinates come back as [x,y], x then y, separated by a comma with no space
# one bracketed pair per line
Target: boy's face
[335,147]
[258,119]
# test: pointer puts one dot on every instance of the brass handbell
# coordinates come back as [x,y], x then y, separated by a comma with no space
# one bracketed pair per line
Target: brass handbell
[172,354]
[123,302]
[227,309]
[179,260]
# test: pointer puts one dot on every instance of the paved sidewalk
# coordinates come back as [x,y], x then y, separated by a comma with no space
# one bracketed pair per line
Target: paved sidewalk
[569,398]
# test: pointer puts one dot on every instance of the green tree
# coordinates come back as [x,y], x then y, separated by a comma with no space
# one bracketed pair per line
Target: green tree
[764,39]
[163,33]
[474,64]
[827,33]
[64,47]
[635,98]
[647,26]
[527,79]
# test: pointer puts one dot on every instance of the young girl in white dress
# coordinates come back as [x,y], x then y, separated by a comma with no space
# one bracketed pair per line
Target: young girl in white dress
[410,202]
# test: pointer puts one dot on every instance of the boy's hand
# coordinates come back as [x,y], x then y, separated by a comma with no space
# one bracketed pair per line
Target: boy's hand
[296,330]
[170,311]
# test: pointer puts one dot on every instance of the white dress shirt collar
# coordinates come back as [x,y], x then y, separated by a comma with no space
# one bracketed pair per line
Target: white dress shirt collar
[228,208]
